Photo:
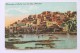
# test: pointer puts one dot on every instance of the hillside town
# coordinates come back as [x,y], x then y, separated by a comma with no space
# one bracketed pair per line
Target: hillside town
[45,22]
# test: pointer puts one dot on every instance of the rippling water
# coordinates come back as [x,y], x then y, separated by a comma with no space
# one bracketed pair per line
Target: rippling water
[68,41]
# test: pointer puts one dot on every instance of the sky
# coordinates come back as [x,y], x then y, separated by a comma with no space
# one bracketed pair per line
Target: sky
[15,11]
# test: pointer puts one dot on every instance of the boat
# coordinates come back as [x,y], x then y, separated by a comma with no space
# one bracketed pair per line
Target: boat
[73,33]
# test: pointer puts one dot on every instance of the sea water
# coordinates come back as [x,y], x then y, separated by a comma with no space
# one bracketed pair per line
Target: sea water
[68,41]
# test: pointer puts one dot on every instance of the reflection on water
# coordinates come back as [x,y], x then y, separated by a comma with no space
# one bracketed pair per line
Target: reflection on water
[36,42]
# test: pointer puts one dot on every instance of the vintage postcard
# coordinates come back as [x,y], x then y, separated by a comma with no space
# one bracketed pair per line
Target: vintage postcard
[40,25]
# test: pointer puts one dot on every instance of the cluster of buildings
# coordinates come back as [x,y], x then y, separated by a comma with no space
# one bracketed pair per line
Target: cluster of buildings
[46,22]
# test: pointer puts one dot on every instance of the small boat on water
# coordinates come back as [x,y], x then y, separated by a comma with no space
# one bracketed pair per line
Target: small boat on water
[73,33]
[53,37]
[13,39]
[59,33]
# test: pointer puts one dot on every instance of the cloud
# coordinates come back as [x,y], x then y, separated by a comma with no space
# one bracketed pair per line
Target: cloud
[16,11]
[33,9]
